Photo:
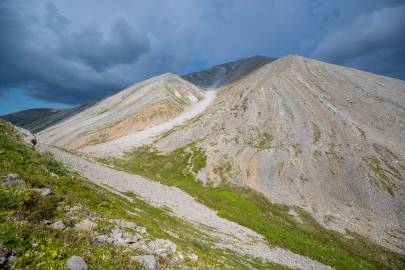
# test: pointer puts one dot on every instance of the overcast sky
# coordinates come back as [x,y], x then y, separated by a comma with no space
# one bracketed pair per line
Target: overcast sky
[65,53]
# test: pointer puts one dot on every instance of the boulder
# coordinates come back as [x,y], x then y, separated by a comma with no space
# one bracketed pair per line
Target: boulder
[130,225]
[162,247]
[147,261]
[13,180]
[193,257]
[59,225]
[43,191]
[11,260]
[119,237]
[126,224]
[26,136]
[3,256]
[76,263]
[86,225]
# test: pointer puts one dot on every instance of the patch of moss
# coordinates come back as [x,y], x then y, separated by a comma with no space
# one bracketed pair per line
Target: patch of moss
[297,149]
[317,154]
[381,175]
[263,140]
[333,151]
[303,178]
[317,133]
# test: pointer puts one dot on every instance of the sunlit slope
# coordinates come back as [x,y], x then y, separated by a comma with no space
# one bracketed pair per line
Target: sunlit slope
[303,132]
[138,107]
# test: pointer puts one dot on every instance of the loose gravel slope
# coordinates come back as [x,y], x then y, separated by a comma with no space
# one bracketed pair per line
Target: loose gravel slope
[228,234]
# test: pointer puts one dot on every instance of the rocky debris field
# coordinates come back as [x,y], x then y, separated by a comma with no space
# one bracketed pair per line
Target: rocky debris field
[227,234]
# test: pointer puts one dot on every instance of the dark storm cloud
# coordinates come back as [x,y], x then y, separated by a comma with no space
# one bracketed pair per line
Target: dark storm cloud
[122,45]
[42,57]
[374,42]
[53,19]
[77,51]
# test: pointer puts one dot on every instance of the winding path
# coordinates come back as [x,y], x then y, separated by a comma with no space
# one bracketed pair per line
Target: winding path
[229,234]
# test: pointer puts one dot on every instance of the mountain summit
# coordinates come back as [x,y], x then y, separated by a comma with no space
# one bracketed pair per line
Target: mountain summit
[304,133]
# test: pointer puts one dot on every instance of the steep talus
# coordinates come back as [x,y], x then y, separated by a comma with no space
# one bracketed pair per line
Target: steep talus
[220,75]
[327,138]
[138,107]
[36,120]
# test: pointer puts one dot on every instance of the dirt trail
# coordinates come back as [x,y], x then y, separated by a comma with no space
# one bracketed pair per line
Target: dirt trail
[228,234]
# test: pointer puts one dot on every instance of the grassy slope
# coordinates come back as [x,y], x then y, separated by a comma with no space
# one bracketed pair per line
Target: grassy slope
[252,210]
[38,246]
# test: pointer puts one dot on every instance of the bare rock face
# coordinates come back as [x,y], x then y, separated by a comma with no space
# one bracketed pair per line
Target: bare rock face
[311,134]
[26,136]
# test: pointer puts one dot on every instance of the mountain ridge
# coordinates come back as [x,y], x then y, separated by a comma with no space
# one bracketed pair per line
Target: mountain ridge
[305,133]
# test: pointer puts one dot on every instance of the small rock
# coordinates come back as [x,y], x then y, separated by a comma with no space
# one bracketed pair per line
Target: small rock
[27,137]
[76,263]
[12,176]
[102,238]
[179,256]
[46,222]
[43,191]
[86,225]
[11,260]
[141,229]
[116,236]
[3,255]
[58,225]
[13,182]
[131,238]
[54,175]
[162,247]
[193,257]
[147,261]
[126,224]
[3,259]
[16,252]
[172,234]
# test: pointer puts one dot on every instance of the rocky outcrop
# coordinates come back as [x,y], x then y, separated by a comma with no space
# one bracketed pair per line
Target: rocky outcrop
[76,263]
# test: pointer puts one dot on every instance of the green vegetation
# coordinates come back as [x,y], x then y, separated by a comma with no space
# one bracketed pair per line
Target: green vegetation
[317,154]
[303,178]
[381,175]
[263,140]
[253,210]
[333,151]
[39,246]
[297,149]
[317,133]
[222,170]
